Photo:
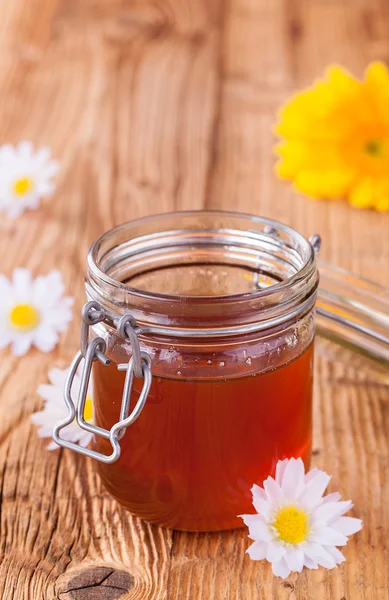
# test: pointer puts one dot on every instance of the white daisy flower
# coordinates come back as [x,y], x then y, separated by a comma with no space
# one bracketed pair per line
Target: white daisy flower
[55,409]
[32,312]
[25,177]
[295,526]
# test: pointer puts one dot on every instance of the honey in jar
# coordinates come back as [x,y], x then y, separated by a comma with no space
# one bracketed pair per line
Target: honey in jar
[222,307]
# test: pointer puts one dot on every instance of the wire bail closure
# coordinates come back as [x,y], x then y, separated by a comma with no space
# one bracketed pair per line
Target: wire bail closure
[139,366]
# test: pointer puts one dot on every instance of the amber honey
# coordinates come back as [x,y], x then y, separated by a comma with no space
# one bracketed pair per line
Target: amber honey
[216,309]
[190,459]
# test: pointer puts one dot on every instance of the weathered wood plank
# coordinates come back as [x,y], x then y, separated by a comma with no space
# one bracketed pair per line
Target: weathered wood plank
[124,95]
[153,105]
[268,50]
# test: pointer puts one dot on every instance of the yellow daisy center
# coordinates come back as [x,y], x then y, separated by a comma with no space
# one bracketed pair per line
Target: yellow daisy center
[374,148]
[24,317]
[23,186]
[88,409]
[291,525]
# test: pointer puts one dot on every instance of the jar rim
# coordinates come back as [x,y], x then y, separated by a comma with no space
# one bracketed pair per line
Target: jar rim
[121,296]
[95,269]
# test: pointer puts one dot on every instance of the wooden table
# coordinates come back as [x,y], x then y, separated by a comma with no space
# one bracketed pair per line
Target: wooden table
[154,105]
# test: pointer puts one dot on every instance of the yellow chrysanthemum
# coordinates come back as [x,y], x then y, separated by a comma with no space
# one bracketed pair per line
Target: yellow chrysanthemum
[336,138]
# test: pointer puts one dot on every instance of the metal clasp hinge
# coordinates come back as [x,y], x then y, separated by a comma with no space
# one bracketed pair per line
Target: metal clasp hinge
[90,351]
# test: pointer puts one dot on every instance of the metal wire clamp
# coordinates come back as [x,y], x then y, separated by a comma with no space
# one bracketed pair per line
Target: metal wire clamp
[139,366]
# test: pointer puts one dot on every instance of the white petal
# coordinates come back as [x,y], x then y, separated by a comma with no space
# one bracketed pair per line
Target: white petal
[328,537]
[281,569]
[327,563]
[45,431]
[33,201]
[310,563]
[49,393]
[273,491]
[67,302]
[25,149]
[293,479]
[249,519]
[42,156]
[38,417]
[57,313]
[50,169]
[257,551]
[51,414]
[46,290]
[73,433]
[30,201]
[318,554]
[22,281]
[259,530]
[53,283]
[14,211]
[275,551]
[53,446]
[262,506]
[311,474]
[5,285]
[347,525]
[57,376]
[21,345]
[295,559]
[45,188]
[334,497]
[85,439]
[280,470]
[57,318]
[46,339]
[5,339]
[258,492]
[82,438]
[336,554]
[7,153]
[312,495]
[329,511]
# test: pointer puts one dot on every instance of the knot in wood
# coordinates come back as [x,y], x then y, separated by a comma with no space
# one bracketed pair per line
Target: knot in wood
[96,583]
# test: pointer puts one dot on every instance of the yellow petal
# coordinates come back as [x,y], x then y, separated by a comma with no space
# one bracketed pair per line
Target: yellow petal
[381,194]
[382,205]
[312,155]
[303,126]
[362,195]
[377,89]
[316,114]
[284,170]
[297,156]
[341,81]
[377,73]
[328,183]
[371,193]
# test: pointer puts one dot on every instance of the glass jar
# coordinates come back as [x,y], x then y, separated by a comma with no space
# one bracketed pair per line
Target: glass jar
[221,307]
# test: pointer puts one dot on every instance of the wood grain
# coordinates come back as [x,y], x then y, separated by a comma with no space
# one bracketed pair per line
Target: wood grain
[154,105]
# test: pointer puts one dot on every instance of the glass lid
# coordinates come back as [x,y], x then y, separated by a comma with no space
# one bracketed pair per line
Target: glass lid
[353,321]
